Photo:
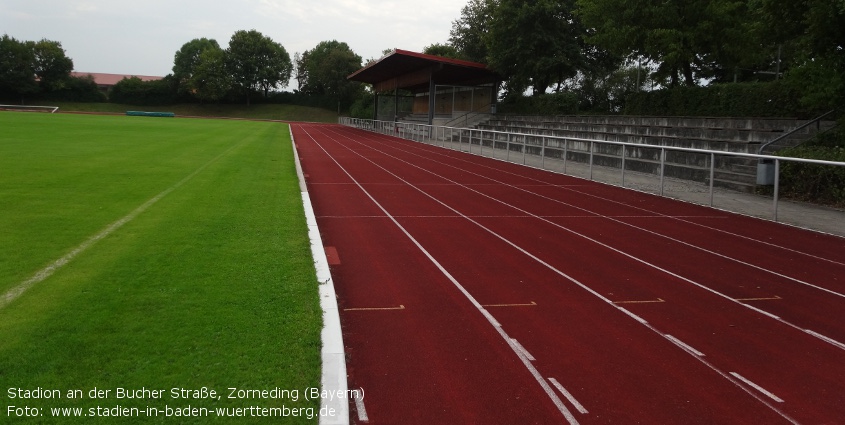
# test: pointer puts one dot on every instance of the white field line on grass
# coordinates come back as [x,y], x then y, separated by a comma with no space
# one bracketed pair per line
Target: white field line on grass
[48,271]
[557,271]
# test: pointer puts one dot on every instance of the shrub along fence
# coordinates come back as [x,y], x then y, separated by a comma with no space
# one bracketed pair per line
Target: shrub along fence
[773,99]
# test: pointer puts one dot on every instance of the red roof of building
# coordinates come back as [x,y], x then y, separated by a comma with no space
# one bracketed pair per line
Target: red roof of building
[112,79]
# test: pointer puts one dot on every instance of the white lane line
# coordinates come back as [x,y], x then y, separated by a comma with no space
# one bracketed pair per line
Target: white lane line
[490,318]
[757,387]
[611,218]
[519,347]
[578,406]
[631,315]
[826,338]
[48,271]
[570,418]
[684,345]
[362,411]
[762,311]
[592,195]
[581,235]
[565,276]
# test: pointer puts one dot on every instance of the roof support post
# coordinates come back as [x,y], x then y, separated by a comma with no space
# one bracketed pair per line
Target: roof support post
[396,105]
[375,106]
[431,94]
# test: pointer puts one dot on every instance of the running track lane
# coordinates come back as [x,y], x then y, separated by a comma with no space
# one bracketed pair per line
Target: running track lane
[476,291]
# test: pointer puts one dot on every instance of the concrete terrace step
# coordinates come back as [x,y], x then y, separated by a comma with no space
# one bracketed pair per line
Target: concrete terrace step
[690,141]
[757,124]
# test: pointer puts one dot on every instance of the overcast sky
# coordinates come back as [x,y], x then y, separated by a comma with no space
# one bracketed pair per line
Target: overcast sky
[140,37]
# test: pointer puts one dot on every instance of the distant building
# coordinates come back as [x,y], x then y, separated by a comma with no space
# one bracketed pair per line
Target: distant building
[106,81]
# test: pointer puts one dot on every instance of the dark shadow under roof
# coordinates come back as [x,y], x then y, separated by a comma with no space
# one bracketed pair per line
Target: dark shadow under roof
[411,71]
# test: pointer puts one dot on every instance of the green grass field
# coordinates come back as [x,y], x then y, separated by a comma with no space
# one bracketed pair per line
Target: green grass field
[208,284]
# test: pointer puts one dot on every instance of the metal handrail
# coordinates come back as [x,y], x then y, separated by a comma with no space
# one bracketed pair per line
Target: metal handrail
[421,132]
[795,130]
[468,113]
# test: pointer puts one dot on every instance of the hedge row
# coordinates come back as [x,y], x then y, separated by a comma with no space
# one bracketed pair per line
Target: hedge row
[772,99]
[816,183]
[546,104]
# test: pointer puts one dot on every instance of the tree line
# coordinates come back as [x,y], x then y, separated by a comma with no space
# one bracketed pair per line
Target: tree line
[605,49]
[35,69]
[252,67]
[555,55]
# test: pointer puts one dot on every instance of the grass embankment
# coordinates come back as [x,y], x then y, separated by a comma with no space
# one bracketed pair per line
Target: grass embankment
[257,111]
[210,286]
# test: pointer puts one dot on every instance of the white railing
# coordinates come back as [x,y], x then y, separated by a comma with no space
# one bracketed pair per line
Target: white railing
[612,161]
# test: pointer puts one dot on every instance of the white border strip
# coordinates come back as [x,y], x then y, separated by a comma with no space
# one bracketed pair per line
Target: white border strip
[333,377]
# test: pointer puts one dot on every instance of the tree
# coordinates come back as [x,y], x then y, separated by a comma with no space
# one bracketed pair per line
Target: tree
[256,62]
[537,43]
[187,58]
[323,71]
[811,33]
[469,33]
[52,66]
[17,68]
[691,38]
[444,50]
[210,80]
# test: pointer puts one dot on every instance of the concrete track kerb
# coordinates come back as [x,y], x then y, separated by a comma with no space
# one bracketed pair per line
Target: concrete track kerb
[333,379]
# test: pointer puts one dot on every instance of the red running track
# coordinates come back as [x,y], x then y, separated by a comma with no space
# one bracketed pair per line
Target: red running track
[475,291]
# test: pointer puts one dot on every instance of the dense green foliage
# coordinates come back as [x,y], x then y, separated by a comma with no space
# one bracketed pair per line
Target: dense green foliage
[593,48]
[816,183]
[29,68]
[775,99]
[322,71]
[133,91]
[257,63]
[548,104]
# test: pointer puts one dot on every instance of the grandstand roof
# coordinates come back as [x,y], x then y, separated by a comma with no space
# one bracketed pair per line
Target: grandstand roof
[412,71]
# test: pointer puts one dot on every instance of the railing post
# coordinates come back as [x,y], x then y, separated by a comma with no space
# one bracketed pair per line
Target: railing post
[591,160]
[543,153]
[712,174]
[565,153]
[508,153]
[662,168]
[623,165]
[777,188]
[524,148]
